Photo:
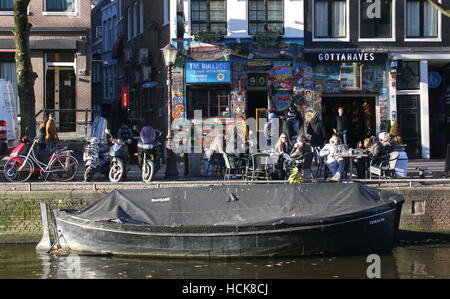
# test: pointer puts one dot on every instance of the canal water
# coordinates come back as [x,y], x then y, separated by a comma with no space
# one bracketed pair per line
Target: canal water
[429,260]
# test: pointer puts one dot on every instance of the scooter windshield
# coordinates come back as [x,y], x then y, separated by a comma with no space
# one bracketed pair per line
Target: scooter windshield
[148,135]
[98,128]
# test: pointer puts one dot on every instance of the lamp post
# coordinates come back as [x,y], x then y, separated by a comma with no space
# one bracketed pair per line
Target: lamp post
[170,54]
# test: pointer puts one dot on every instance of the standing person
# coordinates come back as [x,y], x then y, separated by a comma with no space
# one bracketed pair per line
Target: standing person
[293,121]
[51,134]
[271,128]
[318,133]
[125,132]
[341,125]
[42,133]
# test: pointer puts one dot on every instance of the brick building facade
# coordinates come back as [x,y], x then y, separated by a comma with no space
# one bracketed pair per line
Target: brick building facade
[60,58]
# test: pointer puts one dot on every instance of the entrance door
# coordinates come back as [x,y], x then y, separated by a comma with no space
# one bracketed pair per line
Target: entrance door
[60,96]
[360,112]
[256,100]
[408,115]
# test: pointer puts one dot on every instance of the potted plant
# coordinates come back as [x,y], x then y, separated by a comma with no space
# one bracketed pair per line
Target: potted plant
[296,176]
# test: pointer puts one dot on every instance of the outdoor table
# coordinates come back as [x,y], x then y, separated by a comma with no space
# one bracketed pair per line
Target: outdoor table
[350,156]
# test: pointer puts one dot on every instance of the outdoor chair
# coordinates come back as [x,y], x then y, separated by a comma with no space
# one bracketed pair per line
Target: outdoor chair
[321,165]
[304,162]
[384,166]
[258,166]
[231,167]
[216,164]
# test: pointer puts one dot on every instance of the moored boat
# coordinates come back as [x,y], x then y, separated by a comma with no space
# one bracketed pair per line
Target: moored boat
[237,220]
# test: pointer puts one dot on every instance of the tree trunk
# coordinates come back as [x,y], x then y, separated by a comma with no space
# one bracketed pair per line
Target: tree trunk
[24,70]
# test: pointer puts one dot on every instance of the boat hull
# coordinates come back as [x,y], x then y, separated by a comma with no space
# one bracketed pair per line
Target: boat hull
[370,232]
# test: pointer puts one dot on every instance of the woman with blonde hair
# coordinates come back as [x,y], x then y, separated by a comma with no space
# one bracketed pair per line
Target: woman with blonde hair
[283,145]
[335,163]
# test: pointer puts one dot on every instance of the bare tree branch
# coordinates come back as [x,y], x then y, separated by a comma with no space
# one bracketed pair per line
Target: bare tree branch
[440,7]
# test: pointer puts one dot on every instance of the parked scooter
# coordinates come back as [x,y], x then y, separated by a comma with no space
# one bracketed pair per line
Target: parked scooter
[119,159]
[96,158]
[96,151]
[150,153]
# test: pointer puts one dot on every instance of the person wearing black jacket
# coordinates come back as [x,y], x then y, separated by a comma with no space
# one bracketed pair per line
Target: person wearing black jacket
[293,117]
[318,134]
[341,125]
[317,131]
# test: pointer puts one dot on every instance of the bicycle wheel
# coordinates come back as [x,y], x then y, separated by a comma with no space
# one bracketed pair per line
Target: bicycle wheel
[18,169]
[64,168]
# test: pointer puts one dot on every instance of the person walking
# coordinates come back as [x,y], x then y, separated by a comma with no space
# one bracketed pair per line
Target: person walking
[341,125]
[51,134]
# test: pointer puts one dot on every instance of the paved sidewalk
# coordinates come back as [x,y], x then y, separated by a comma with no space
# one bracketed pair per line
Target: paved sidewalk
[134,181]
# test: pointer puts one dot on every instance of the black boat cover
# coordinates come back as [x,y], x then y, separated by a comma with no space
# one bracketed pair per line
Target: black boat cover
[239,205]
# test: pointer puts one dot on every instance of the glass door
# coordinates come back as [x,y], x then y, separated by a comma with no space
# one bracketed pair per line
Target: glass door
[60,97]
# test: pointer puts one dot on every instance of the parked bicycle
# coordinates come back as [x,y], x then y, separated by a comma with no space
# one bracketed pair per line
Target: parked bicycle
[25,160]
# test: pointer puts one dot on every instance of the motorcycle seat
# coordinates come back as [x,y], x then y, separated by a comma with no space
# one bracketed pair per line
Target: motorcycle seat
[147,146]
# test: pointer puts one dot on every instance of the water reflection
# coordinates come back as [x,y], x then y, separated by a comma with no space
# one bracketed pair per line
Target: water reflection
[22,261]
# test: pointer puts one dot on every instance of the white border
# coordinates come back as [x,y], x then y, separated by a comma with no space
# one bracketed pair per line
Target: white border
[423,39]
[75,13]
[374,39]
[347,26]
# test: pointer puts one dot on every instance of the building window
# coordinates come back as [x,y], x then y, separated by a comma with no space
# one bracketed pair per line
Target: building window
[166,12]
[135,19]
[130,22]
[209,15]
[60,5]
[212,103]
[330,18]
[376,22]
[265,15]
[408,75]
[421,19]
[351,76]
[6,5]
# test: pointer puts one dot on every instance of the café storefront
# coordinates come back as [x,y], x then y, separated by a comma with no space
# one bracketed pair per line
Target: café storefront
[356,81]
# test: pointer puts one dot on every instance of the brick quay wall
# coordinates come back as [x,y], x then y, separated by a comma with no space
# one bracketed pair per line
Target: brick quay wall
[425,210]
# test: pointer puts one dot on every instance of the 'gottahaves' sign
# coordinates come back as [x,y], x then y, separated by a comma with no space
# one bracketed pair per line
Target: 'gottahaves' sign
[208,72]
[346,57]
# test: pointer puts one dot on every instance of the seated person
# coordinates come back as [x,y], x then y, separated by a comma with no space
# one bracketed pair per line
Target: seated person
[283,148]
[335,164]
[375,150]
[283,145]
[386,141]
[300,148]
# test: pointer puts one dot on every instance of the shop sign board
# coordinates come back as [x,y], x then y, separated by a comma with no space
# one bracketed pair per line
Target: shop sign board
[346,57]
[208,72]
[257,80]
